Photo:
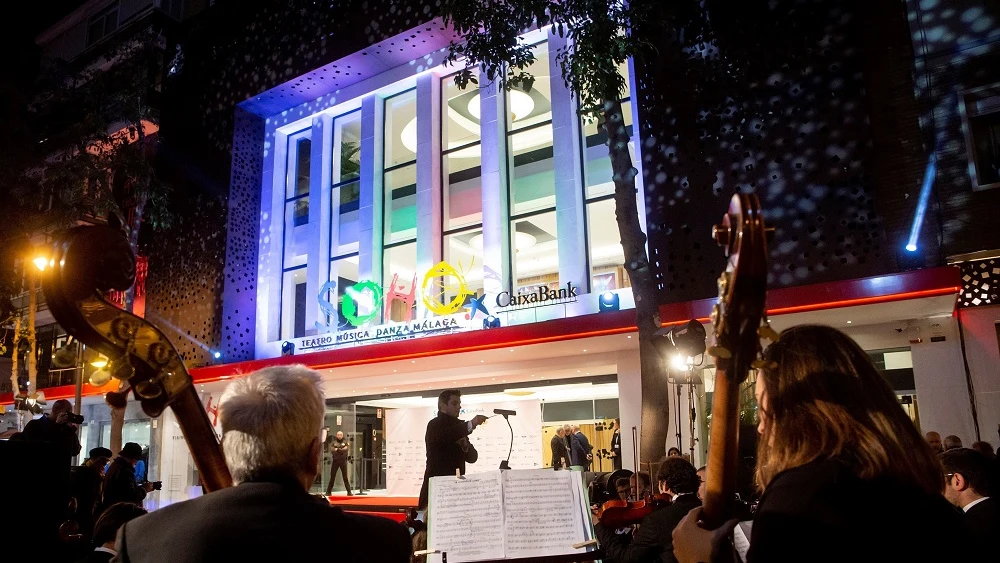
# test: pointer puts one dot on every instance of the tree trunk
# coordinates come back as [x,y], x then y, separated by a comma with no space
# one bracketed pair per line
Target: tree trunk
[13,357]
[117,424]
[32,341]
[655,400]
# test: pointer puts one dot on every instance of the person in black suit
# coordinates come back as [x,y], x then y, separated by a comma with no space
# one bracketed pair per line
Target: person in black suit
[55,427]
[969,484]
[447,441]
[272,423]
[833,439]
[106,529]
[653,542]
[581,449]
[560,457]
[616,445]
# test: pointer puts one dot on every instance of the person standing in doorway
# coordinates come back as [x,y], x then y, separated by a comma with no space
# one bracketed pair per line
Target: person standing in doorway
[616,445]
[339,449]
[447,441]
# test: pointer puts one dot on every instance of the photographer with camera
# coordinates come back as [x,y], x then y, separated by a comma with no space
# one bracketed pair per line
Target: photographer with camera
[57,427]
[119,481]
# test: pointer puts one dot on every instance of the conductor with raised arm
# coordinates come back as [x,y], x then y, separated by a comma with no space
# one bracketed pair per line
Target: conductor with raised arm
[447,440]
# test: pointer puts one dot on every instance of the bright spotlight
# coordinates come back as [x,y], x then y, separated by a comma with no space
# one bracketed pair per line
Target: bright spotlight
[680,363]
[41,262]
[217,355]
[911,247]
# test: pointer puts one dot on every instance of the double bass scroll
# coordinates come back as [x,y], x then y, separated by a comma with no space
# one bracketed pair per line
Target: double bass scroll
[736,319]
[86,263]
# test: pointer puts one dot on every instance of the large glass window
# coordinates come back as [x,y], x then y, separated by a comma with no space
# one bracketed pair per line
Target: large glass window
[464,252]
[607,259]
[293,303]
[535,252]
[596,164]
[533,235]
[296,242]
[401,128]
[529,146]
[400,185]
[344,273]
[346,195]
[461,162]
[400,282]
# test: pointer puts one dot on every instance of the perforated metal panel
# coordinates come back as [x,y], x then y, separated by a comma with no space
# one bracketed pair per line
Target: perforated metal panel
[979,283]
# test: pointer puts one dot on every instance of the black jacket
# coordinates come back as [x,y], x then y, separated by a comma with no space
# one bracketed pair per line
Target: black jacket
[444,455]
[120,486]
[983,523]
[581,449]
[260,521]
[653,541]
[822,512]
[559,453]
[85,486]
[45,429]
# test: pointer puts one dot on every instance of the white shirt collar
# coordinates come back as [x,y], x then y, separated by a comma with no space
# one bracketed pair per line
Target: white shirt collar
[973,503]
[674,498]
[106,550]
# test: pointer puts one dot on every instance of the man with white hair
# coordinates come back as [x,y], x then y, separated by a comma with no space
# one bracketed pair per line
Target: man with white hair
[271,436]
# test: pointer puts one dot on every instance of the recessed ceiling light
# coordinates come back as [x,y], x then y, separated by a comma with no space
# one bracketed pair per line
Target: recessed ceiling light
[494,379]
[629,336]
[413,361]
[848,322]
[482,361]
[584,349]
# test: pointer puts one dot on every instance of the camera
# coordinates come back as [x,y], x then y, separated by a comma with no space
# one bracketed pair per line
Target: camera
[75,418]
[157,485]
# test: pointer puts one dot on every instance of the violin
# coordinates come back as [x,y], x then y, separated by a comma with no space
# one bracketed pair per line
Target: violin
[86,263]
[739,321]
[622,513]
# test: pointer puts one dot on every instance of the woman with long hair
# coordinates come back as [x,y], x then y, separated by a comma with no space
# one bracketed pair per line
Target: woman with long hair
[845,474]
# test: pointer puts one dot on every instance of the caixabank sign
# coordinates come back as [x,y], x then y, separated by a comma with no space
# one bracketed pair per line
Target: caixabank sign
[445,295]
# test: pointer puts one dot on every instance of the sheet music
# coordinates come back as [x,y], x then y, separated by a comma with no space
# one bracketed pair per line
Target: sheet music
[542,512]
[741,539]
[466,516]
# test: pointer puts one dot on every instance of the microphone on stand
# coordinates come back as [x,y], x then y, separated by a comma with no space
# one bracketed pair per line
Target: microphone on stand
[505,464]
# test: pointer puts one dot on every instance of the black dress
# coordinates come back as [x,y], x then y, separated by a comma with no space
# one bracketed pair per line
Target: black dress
[822,512]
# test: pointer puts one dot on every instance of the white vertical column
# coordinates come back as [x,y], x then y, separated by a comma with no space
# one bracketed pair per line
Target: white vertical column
[318,245]
[496,202]
[635,148]
[272,204]
[370,212]
[428,176]
[629,402]
[570,209]
[942,390]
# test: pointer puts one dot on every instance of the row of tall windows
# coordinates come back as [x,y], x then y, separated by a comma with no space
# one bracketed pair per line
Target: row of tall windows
[534,241]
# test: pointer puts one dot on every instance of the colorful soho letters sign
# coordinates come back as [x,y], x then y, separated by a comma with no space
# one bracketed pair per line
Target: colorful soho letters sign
[440,280]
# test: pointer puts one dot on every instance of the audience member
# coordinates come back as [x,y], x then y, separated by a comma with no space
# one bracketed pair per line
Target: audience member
[673,452]
[639,483]
[106,529]
[676,478]
[119,480]
[272,423]
[934,441]
[701,481]
[968,478]
[85,486]
[984,448]
[55,427]
[845,474]
[951,442]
